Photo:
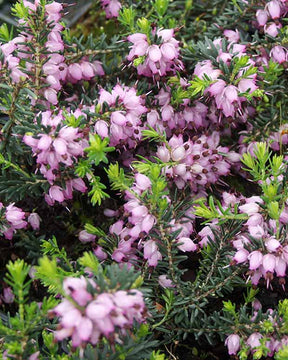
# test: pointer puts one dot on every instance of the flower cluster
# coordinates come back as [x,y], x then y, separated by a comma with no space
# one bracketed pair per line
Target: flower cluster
[257,244]
[62,145]
[256,340]
[159,58]
[134,231]
[199,161]
[123,123]
[86,316]
[229,95]
[14,218]
[270,258]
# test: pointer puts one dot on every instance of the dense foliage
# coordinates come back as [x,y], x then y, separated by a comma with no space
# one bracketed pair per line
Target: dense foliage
[143,182]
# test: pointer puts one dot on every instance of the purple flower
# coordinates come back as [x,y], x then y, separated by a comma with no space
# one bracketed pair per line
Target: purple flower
[255,259]
[185,244]
[274,9]
[241,256]
[253,340]
[34,220]
[233,344]
[85,237]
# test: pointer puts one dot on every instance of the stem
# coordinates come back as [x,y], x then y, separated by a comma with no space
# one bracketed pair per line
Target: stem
[218,286]
[170,257]
[72,57]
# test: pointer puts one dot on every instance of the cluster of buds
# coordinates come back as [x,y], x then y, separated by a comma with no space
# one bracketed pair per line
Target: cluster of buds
[159,58]
[87,316]
[123,124]
[14,218]
[61,146]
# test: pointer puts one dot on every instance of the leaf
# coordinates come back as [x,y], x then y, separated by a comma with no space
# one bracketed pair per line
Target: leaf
[98,149]
[89,260]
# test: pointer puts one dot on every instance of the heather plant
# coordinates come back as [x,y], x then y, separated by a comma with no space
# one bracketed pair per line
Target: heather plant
[143,181]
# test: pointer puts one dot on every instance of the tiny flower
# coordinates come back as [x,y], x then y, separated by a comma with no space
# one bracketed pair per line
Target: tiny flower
[253,340]
[8,296]
[85,237]
[279,54]
[241,256]
[142,181]
[165,282]
[233,344]
[269,262]
[274,9]
[178,153]
[262,17]
[250,208]
[255,259]
[34,220]
[272,245]
[185,244]
[56,193]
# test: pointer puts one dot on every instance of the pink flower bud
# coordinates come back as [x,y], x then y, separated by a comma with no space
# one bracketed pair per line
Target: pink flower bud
[53,8]
[262,17]
[272,29]
[255,260]
[280,267]
[165,282]
[44,142]
[34,220]
[8,296]
[272,245]
[233,344]
[60,146]
[85,237]
[142,181]
[101,128]
[168,51]
[56,193]
[186,244]
[78,184]
[241,256]
[255,220]
[284,217]
[116,228]
[253,340]
[178,153]
[99,253]
[87,70]
[163,154]
[51,96]
[278,54]
[249,209]
[274,9]
[75,71]
[269,262]
[154,53]
[147,223]
[118,118]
